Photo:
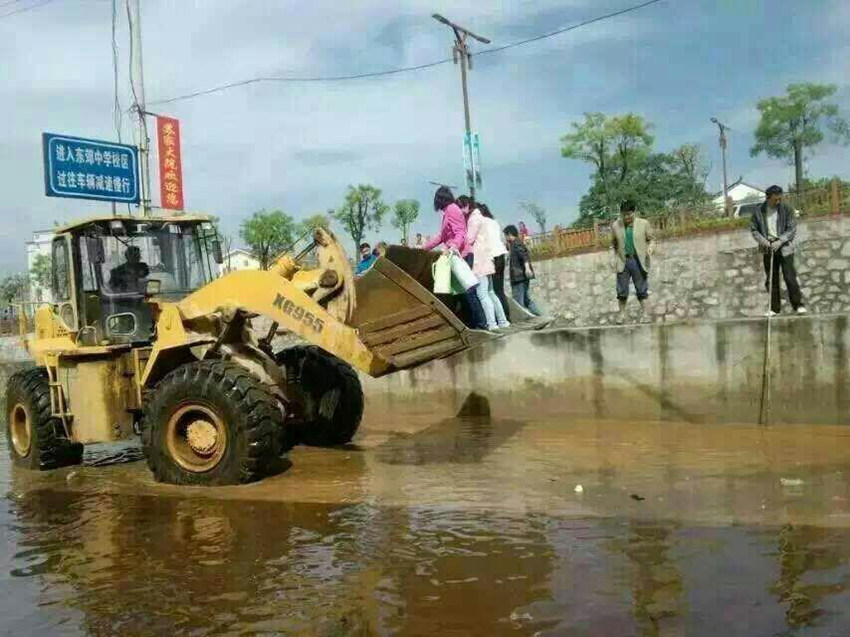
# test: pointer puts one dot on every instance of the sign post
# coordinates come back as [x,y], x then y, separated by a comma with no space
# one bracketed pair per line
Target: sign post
[80,168]
[170,163]
[468,165]
[476,160]
[472,161]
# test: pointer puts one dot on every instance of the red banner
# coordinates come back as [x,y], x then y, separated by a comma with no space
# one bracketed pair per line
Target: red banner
[170,164]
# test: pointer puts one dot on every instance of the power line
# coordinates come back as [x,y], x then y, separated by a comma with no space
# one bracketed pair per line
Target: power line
[569,28]
[29,8]
[331,78]
[406,69]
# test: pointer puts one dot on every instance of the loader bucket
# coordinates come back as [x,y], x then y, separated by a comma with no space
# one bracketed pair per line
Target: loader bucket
[400,319]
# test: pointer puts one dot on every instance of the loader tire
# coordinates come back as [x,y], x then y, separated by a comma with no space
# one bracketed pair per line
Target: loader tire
[211,423]
[36,439]
[331,398]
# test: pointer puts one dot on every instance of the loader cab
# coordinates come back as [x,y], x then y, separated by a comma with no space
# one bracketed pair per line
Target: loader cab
[106,270]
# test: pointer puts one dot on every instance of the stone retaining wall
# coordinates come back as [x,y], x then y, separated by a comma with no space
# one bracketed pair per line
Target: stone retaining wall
[712,276]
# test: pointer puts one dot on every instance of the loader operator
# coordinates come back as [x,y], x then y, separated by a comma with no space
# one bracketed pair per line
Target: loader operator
[130,275]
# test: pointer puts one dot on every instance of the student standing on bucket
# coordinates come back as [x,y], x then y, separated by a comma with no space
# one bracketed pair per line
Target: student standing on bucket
[632,242]
[478,236]
[452,236]
[774,227]
[521,271]
[496,238]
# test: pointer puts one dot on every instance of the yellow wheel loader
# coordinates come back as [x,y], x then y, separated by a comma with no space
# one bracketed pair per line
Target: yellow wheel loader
[143,337]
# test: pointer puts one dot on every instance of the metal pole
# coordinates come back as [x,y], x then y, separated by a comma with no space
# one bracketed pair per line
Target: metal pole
[725,180]
[726,208]
[764,411]
[463,52]
[138,82]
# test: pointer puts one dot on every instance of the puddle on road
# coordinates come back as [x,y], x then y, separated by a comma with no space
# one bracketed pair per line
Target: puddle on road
[468,526]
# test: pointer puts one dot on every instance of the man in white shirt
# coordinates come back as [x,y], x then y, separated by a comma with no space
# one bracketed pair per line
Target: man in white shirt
[774,228]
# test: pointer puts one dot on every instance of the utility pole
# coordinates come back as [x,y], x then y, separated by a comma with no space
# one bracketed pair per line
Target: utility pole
[137,81]
[460,51]
[726,207]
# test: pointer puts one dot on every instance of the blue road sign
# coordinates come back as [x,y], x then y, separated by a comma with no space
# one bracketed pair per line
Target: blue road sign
[90,169]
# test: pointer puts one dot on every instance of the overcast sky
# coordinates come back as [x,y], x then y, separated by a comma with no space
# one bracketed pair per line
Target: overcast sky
[297,146]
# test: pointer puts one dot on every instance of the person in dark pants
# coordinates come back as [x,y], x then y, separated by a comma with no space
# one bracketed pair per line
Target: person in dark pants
[632,242]
[452,236]
[521,271]
[774,227]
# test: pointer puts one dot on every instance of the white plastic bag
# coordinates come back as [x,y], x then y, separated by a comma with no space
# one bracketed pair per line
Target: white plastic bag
[441,269]
[463,274]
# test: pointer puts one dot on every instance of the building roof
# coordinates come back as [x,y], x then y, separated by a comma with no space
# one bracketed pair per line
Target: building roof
[234,251]
[740,182]
[137,219]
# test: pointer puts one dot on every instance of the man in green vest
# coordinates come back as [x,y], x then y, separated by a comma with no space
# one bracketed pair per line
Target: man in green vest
[632,243]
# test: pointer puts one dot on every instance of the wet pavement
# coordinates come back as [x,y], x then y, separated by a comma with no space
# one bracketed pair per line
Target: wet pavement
[467,526]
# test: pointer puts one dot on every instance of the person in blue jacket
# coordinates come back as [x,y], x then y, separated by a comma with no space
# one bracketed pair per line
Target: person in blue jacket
[367,258]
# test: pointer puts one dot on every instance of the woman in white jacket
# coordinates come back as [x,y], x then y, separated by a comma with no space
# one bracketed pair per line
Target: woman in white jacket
[481,238]
[496,238]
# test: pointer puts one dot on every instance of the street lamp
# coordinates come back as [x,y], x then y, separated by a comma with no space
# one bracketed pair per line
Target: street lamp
[461,51]
[722,128]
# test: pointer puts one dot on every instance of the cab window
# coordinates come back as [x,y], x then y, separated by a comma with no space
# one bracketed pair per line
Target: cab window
[61,271]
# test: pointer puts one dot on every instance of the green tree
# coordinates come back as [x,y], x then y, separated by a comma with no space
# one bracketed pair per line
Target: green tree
[13,288]
[821,183]
[267,234]
[589,142]
[793,123]
[536,212]
[616,147]
[690,162]
[312,222]
[632,143]
[363,209]
[405,212]
[658,185]
[41,271]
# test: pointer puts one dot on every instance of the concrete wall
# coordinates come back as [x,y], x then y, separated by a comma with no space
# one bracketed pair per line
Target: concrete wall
[705,371]
[713,276]
[690,372]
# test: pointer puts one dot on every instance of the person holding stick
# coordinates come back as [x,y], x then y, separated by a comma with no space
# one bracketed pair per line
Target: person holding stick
[774,228]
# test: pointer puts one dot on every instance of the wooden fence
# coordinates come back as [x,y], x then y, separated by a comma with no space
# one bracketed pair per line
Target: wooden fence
[684,222]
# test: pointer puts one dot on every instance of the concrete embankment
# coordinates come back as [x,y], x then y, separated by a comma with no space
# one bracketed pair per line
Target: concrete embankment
[708,371]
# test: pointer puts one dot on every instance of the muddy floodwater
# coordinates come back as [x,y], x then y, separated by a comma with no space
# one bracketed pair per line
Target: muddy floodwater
[467,526]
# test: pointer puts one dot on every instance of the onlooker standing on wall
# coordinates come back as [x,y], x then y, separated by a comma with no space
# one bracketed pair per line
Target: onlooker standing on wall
[774,227]
[420,242]
[521,271]
[632,243]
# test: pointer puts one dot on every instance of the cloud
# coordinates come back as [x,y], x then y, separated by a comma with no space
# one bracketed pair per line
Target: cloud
[298,146]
